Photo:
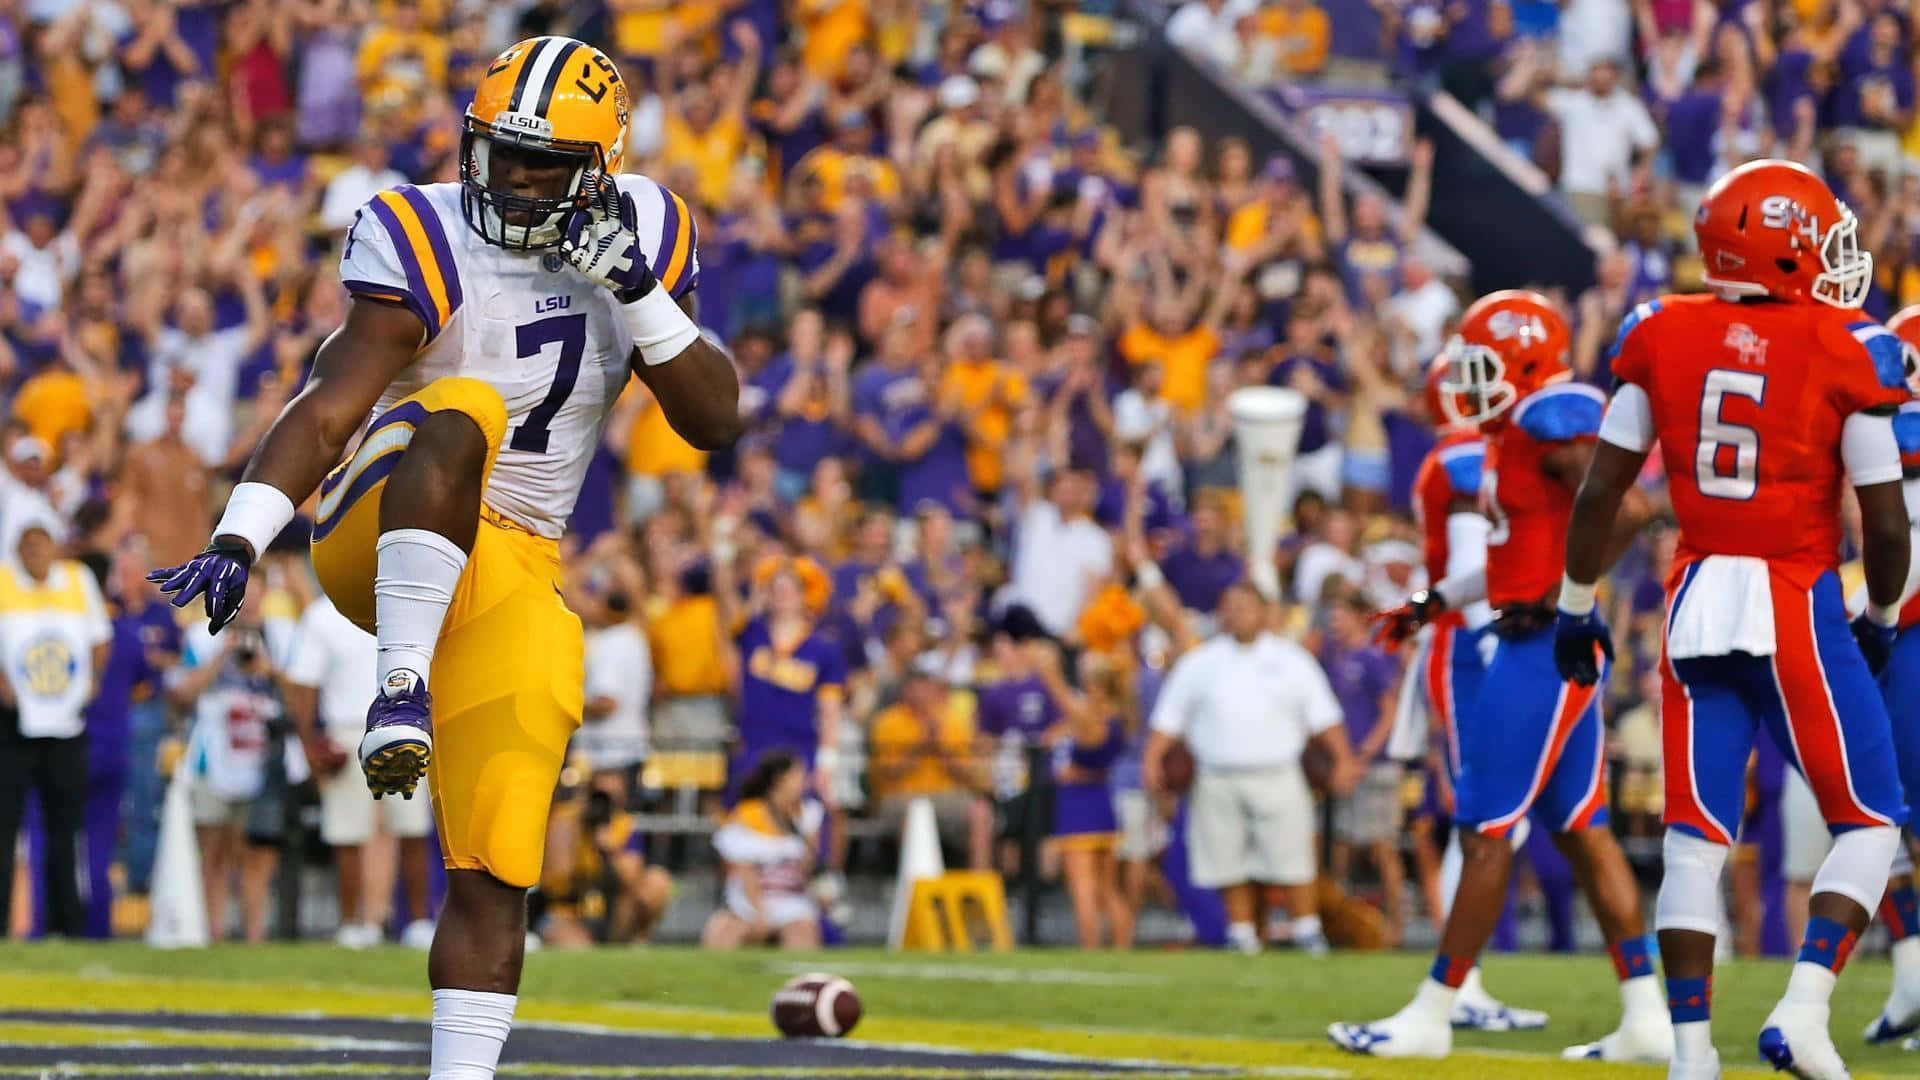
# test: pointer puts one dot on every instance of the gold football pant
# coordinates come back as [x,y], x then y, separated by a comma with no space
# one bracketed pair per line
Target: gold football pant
[507,673]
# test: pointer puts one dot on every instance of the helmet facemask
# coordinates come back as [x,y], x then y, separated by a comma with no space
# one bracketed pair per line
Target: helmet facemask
[1473,387]
[1846,271]
[516,221]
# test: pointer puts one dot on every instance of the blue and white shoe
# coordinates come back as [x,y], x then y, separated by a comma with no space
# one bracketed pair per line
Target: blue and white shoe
[1795,1040]
[1646,1039]
[1409,1033]
[1477,1010]
[1901,1014]
[398,745]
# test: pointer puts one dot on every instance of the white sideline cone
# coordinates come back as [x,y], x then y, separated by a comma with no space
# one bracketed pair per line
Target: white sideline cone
[1266,427]
[179,908]
[919,859]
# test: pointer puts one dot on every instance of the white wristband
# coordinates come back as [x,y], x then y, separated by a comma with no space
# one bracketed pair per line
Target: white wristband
[255,513]
[659,329]
[1575,598]
[826,761]
[1148,576]
[1888,615]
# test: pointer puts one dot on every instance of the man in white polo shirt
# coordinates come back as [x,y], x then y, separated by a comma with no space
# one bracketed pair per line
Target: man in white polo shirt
[54,637]
[332,664]
[1247,702]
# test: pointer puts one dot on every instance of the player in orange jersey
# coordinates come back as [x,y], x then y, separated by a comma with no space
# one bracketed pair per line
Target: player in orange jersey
[1449,661]
[1532,743]
[1765,398]
[1899,689]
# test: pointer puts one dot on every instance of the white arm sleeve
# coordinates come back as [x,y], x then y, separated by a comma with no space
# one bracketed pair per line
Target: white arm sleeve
[1467,532]
[1629,420]
[1466,580]
[1868,447]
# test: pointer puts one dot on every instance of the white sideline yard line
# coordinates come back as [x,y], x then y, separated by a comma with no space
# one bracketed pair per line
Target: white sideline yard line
[970,973]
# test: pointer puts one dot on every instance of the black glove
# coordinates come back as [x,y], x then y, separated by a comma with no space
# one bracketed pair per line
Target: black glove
[1575,639]
[1395,625]
[1875,640]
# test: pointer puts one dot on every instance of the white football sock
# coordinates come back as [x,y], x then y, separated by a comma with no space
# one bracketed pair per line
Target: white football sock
[417,571]
[469,1028]
[1433,999]
[1241,935]
[1906,955]
[1693,1041]
[1642,995]
[1810,984]
[1307,927]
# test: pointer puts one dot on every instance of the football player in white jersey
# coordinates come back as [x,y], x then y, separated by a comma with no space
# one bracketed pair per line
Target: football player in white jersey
[493,323]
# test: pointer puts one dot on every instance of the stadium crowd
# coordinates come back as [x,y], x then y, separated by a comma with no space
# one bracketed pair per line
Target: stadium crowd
[989,494]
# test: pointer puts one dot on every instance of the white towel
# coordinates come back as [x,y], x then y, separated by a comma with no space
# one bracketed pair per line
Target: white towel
[1727,607]
[1413,714]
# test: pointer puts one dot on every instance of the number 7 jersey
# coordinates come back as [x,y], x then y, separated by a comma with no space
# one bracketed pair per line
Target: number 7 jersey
[1748,401]
[526,323]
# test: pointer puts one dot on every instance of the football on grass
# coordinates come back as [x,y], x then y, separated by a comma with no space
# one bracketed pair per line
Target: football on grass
[814,1006]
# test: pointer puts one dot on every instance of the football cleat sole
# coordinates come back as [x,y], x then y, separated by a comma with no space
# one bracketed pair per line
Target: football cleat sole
[396,769]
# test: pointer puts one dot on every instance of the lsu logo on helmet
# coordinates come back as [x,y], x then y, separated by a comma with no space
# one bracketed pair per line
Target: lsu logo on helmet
[554,101]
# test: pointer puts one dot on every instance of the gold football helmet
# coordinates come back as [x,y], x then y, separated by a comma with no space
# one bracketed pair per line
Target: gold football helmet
[546,104]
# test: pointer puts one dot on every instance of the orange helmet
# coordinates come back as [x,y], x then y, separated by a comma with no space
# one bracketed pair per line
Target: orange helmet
[1773,228]
[1509,344]
[551,102]
[1906,327]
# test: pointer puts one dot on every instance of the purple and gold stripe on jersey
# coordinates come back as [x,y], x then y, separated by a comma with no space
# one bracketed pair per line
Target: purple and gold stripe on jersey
[674,267]
[420,242]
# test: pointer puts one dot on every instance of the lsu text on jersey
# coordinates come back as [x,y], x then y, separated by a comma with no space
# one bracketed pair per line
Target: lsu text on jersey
[536,355]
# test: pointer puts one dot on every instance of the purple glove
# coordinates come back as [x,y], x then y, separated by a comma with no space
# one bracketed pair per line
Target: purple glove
[219,572]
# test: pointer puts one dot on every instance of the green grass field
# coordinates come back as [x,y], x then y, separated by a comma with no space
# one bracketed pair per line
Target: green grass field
[1183,1008]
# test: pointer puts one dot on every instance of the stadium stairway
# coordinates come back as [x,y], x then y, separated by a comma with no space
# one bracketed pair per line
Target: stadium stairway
[1494,220]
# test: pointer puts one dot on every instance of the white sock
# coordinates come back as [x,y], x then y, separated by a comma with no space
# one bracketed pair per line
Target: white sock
[1810,984]
[1471,987]
[469,1027]
[1906,956]
[1241,934]
[1693,1041]
[1434,999]
[417,571]
[1306,928]
[1451,865]
[1642,994]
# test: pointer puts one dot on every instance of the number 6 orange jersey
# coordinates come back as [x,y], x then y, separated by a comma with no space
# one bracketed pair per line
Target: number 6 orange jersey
[1748,401]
